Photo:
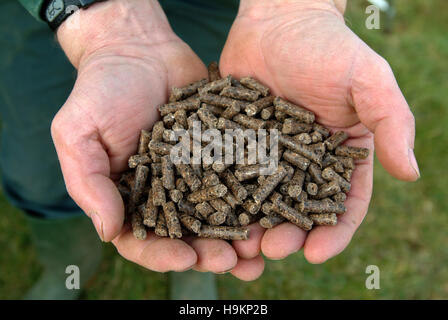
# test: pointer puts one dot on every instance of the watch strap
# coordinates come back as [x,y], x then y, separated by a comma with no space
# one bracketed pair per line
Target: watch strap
[57,11]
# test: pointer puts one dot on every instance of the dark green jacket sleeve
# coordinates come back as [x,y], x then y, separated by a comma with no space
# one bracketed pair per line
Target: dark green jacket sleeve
[33,7]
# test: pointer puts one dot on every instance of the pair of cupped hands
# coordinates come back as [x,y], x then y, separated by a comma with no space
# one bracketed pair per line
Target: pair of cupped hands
[128,58]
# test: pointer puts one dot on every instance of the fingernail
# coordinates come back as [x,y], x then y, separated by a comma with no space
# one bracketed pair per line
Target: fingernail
[413,162]
[98,223]
[224,272]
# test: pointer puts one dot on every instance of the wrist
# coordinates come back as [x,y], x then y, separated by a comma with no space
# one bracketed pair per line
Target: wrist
[262,9]
[121,26]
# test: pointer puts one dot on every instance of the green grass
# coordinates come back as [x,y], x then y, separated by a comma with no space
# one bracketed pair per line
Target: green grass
[404,232]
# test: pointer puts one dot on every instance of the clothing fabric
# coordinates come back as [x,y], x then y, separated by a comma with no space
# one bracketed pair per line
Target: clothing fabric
[36,79]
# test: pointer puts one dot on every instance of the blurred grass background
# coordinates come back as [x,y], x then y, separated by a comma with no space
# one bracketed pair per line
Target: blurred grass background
[405,232]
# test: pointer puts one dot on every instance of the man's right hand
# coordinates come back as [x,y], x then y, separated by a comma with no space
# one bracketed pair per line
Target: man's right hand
[127,59]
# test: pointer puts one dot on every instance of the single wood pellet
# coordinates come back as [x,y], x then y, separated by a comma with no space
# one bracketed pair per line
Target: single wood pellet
[218,200]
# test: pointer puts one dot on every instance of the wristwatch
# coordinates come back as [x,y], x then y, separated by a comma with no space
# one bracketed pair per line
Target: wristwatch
[56,11]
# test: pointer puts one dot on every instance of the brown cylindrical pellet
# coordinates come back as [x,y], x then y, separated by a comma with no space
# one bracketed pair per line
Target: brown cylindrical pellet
[280,115]
[266,113]
[220,167]
[269,222]
[234,185]
[217,111]
[138,228]
[316,174]
[296,184]
[217,218]
[216,100]
[160,148]
[347,175]
[190,223]
[248,172]
[187,91]
[340,197]
[205,209]
[251,206]
[296,159]
[311,188]
[232,110]
[255,107]
[338,167]
[158,193]
[168,120]
[172,220]
[161,229]
[269,185]
[215,86]
[347,162]
[157,131]
[324,219]
[187,105]
[223,232]
[181,185]
[208,118]
[230,199]
[249,122]
[145,137]
[267,208]
[336,139]
[328,160]
[181,117]
[141,174]
[167,173]
[292,215]
[321,129]
[210,179]
[303,196]
[352,152]
[253,84]
[138,159]
[240,93]
[213,71]
[187,207]
[292,126]
[294,110]
[190,178]
[250,187]
[303,150]
[244,218]
[289,172]
[155,158]
[150,212]
[321,206]
[232,219]
[176,195]
[303,138]
[125,192]
[329,174]
[316,137]
[220,205]
[328,189]
[207,194]
[156,169]
[224,124]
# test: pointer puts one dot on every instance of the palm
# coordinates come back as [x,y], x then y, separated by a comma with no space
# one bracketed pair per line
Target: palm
[310,63]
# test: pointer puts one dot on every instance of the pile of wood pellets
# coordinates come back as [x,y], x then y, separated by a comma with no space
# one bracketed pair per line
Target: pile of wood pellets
[219,201]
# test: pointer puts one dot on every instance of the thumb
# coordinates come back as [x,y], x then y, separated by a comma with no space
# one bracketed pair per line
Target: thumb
[383,109]
[86,170]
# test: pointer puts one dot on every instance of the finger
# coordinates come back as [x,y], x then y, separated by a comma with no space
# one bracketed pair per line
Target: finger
[248,269]
[383,109]
[155,253]
[282,240]
[325,242]
[250,248]
[85,166]
[213,255]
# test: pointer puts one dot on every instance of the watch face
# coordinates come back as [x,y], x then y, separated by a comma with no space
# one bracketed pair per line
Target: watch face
[54,9]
